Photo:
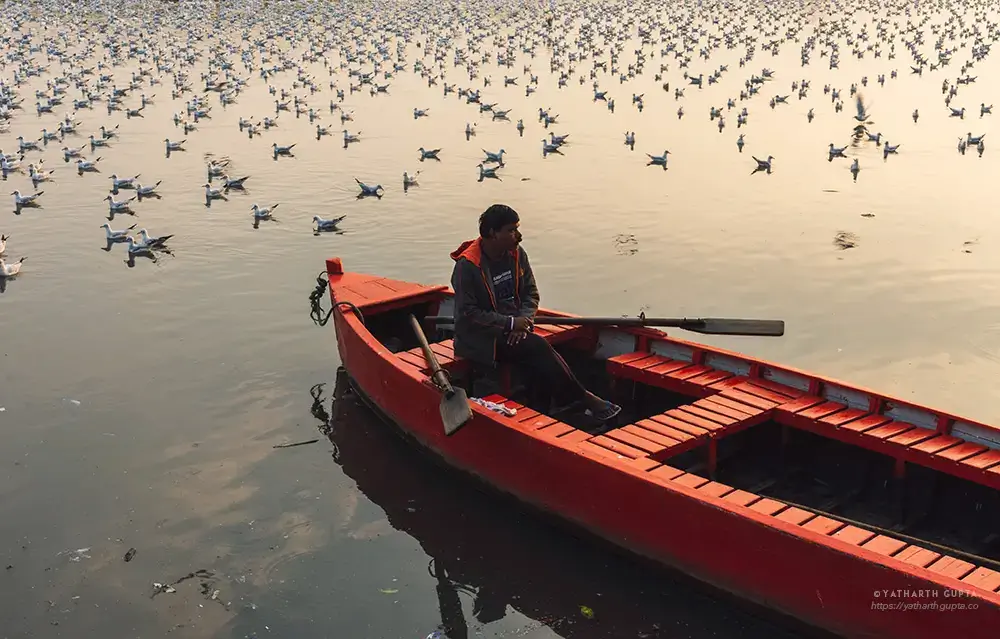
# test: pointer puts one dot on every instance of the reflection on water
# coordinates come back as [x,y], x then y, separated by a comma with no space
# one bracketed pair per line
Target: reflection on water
[496,569]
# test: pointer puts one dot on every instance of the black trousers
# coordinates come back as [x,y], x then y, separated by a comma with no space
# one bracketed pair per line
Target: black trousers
[535,357]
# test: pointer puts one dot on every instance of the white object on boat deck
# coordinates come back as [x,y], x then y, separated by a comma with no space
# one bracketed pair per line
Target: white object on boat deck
[506,411]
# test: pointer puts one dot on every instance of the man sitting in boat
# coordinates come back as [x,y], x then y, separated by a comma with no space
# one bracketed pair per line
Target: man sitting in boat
[495,304]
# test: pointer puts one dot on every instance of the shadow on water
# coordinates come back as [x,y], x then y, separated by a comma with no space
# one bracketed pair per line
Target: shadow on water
[489,558]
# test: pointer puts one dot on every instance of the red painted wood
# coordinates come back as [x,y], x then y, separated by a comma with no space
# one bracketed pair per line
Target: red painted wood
[789,392]
[865,423]
[763,393]
[618,447]
[844,416]
[983,578]
[853,535]
[884,545]
[710,404]
[917,556]
[715,489]
[691,481]
[749,411]
[962,451]
[651,435]
[748,399]
[709,378]
[794,516]
[711,416]
[821,410]
[682,416]
[983,460]
[801,403]
[823,525]
[951,567]
[556,429]
[645,445]
[888,430]
[676,428]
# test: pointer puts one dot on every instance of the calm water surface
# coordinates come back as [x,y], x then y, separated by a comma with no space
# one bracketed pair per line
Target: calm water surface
[141,404]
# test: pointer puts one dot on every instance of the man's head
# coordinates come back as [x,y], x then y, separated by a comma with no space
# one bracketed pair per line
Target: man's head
[498,226]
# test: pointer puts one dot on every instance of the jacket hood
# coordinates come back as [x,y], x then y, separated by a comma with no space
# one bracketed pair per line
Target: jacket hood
[471,250]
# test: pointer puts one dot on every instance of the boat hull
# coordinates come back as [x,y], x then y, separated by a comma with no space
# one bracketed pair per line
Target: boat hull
[755,557]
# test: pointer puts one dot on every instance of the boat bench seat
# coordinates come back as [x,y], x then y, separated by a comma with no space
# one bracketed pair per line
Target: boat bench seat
[903,441]
[678,376]
[445,350]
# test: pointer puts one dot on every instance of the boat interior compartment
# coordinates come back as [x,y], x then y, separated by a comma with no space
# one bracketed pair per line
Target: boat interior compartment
[825,456]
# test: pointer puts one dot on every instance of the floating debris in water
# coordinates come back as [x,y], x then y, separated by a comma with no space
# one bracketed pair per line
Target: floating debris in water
[844,240]
[587,612]
[967,244]
[130,554]
[311,441]
[867,215]
[626,244]
[158,588]
[388,591]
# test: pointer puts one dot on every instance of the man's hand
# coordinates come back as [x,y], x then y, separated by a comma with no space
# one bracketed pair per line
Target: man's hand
[522,324]
[515,337]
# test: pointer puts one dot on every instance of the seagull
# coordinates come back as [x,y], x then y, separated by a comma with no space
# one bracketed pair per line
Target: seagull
[262,213]
[135,248]
[153,242]
[835,152]
[408,180]
[855,168]
[116,206]
[494,157]
[175,146]
[887,149]
[370,190]
[862,115]
[348,137]
[428,155]
[117,182]
[21,200]
[146,191]
[547,147]
[3,243]
[234,183]
[86,165]
[327,225]
[282,150]
[763,165]
[659,160]
[970,140]
[212,194]
[12,269]
[116,236]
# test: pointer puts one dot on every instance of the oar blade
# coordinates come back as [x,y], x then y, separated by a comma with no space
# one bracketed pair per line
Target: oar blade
[724,326]
[455,410]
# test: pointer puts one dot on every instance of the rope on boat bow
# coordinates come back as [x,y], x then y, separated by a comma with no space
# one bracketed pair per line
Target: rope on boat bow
[316,302]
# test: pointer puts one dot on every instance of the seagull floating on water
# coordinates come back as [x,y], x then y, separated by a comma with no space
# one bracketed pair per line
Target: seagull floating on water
[12,269]
[327,225]
[115,236]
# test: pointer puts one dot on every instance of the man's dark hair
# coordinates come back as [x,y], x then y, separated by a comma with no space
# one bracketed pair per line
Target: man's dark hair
[495,218]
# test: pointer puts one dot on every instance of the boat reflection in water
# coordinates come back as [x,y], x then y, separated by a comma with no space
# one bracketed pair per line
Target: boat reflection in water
[499,554]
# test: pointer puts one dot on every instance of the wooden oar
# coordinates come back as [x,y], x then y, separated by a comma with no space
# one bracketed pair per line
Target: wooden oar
[455,409]
[706,325]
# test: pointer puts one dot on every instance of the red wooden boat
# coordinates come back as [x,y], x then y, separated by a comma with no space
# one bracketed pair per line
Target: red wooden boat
[846,509]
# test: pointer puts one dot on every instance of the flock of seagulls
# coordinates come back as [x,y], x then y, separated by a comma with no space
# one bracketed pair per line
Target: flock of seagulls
[118,58]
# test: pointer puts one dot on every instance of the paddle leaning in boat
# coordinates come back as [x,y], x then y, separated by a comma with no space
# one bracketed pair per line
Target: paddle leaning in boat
[841,507]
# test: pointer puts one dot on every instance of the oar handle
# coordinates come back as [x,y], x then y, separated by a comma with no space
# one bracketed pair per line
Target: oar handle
[438,376]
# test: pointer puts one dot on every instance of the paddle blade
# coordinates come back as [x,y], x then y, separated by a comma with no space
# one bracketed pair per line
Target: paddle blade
[722,326]
[455,410]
